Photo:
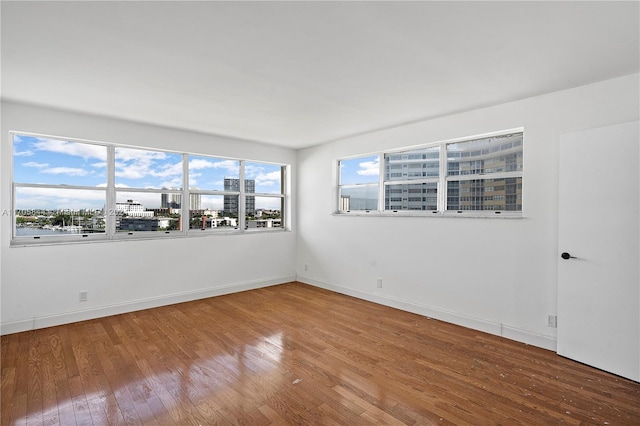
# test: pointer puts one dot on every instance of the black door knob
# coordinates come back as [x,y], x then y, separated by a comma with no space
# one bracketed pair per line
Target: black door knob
[566,256]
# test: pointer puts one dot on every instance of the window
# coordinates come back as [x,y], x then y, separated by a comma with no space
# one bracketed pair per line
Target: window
[359,186]
[485,166]
[68,190]
[62,188]
[427,161]
[148,191]
[264,209]
[214,188]
[479,175]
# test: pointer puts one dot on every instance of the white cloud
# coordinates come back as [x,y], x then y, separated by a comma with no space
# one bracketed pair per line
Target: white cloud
[36,165]
[193,178]
[214,202]
[48,198]
[231,166]
[140,164]
[129,171]
[139,155]
[268,179]
[27,153]
[75,149]
[268,203]
[369,168]
[200,163]
[70,171]
[167,170]
[173,183]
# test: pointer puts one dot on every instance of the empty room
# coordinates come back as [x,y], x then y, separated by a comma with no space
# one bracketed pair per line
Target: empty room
[320,212]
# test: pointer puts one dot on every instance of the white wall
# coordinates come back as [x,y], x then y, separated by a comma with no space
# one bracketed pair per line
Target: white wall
[496,275]
[40,285]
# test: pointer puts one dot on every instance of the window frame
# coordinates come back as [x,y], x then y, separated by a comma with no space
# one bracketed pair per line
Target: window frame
[111,203]
[380,189]
[281,196]
[408,181]
[442,181]
[212,192]
[111,192]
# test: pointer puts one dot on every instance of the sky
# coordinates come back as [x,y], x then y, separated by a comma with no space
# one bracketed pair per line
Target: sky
[360,170]
[61,162]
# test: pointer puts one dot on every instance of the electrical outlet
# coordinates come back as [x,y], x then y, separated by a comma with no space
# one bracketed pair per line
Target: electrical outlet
[83,296]
[379,282]
[306,267]
[552,321]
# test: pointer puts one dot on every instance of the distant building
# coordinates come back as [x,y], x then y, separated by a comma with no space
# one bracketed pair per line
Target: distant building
[133,208]
[170,200]
[231,201]
[264,223]
[195,201]
[345,203]
[143,224]
[495,155]
[204,212]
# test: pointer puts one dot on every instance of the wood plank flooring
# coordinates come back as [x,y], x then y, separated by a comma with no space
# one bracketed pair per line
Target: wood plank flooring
[295,354]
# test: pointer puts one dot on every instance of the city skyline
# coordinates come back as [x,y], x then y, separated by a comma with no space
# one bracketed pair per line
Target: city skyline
[51,161]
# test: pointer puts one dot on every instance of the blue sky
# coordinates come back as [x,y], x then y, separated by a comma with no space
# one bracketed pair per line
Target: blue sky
[359,170]
[54,161]
[50,161]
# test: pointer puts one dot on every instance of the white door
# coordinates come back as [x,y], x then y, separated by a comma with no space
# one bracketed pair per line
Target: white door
[599,216]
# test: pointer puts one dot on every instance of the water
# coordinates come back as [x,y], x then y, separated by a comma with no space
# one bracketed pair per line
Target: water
[32,232]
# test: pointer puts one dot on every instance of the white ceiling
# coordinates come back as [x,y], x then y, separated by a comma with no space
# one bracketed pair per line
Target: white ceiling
[300,73]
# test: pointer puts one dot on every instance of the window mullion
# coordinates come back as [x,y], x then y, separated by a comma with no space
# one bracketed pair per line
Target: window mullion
[186,196]
[110,208]
[242,201]
[442,183]
[381,174]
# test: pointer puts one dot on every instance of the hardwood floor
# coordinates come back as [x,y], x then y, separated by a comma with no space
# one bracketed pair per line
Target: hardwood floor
[295,354]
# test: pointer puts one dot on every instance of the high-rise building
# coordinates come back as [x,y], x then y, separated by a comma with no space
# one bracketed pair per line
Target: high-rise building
[481,158]
[174,201]
[170,200]
[195,201]
[231,201]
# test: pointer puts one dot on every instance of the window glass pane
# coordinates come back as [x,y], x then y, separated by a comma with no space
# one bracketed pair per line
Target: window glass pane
[363,197]
[360,170]
[209,173]
[264,212]
[485,194]
[212,214]
[409,165]
[59,211]
[484,156]
[139,168]
[58,162]
[415,196]
[263,178]
[144,211]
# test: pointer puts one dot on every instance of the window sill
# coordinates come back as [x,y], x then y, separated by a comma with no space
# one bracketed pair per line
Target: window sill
[448,214]
[57,241]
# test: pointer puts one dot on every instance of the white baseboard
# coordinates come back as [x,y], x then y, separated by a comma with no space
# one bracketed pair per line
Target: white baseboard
[136,305]
[497,329]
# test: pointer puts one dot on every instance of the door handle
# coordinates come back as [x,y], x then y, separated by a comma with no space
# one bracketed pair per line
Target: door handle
[567,256]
